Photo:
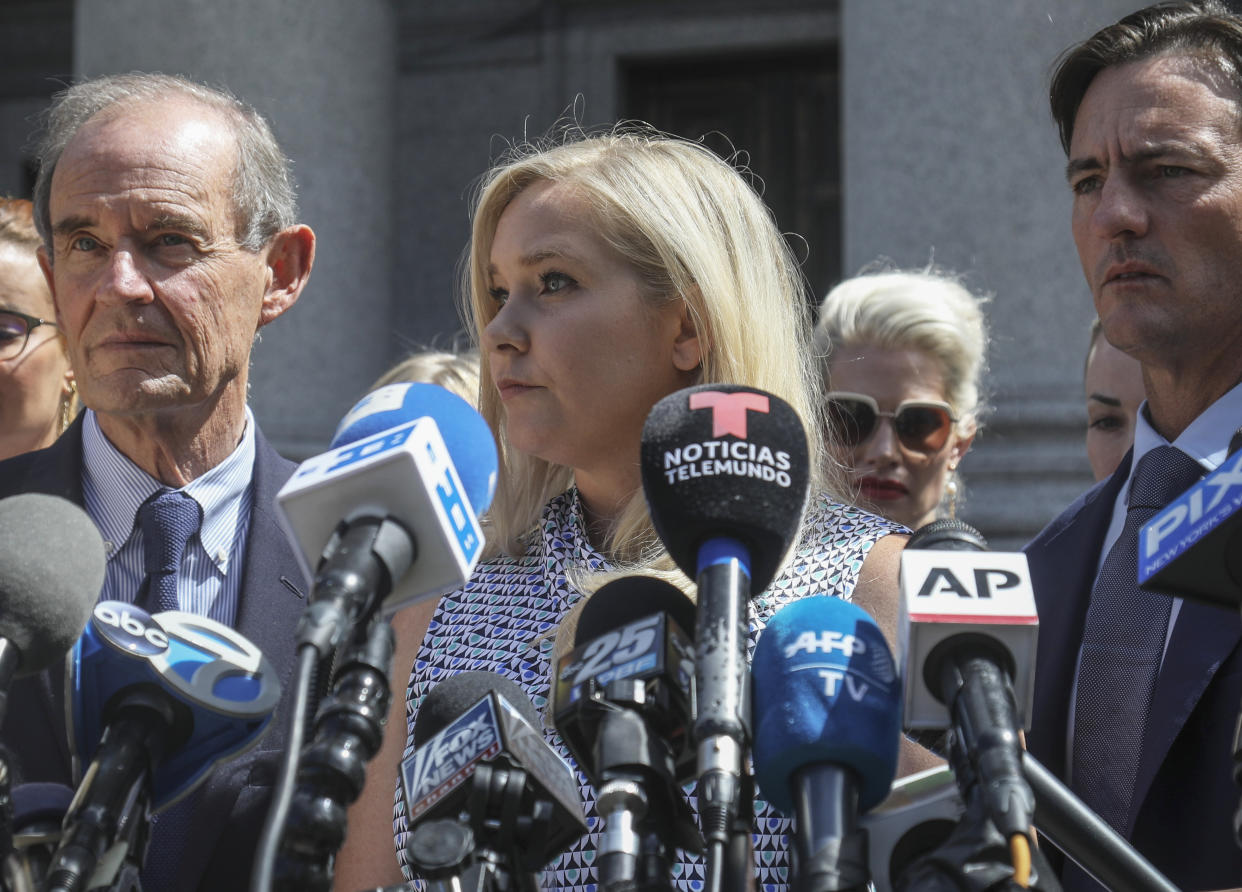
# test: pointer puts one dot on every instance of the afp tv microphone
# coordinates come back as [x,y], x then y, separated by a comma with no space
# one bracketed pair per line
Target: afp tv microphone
[967,627]
[725,472]
[623,707]
[827,732]
[482,774]
[157,702]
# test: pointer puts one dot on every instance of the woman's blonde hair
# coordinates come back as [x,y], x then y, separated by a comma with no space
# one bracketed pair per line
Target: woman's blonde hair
[456,372]
[696,231]
[927,310]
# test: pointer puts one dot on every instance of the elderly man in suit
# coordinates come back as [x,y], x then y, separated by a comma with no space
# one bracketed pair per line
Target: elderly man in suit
[1137,693]
[170,234]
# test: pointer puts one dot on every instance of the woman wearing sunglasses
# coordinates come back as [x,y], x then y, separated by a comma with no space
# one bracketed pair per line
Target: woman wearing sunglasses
[904,354]
[37,395]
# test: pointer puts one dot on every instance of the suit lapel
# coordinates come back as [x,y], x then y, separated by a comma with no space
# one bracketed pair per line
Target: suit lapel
[1203,638]
[1063,560]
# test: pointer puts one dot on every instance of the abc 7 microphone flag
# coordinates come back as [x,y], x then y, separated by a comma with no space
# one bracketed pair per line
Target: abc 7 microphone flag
[225,689]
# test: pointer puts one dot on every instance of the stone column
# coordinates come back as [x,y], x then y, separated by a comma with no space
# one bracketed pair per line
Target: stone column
[324,74]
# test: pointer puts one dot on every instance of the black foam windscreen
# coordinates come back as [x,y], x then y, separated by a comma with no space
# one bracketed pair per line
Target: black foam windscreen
[457,693]
[51,570]
[630,598]
[720,460]
[947,534]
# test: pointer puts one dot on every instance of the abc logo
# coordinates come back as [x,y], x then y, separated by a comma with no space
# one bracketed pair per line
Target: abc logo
[129,628]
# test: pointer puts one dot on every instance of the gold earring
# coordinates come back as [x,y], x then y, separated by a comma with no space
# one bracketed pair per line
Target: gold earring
[68,405]
[950,491]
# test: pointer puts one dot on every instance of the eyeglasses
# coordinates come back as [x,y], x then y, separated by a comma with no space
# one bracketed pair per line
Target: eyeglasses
[15,329]
[920,425]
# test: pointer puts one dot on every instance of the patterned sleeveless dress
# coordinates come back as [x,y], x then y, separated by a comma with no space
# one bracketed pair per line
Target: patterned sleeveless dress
[505,619]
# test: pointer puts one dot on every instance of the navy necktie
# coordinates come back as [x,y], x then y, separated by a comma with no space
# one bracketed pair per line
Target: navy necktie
[1122,648]
[168,520]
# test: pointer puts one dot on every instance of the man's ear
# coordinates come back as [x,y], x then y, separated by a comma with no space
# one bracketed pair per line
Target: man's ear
[290,255]
[45,264]
[687,348]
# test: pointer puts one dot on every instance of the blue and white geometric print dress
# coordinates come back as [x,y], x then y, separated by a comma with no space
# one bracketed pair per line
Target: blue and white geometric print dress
[505,620]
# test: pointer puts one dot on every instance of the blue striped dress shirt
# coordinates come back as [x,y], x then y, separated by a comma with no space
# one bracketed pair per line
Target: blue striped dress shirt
[211,569]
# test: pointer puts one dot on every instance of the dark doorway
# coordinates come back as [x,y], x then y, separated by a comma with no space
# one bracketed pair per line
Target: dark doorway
[780,110]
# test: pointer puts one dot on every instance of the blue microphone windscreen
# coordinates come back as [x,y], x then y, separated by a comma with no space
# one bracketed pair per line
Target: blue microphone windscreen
[825,691]
[467,436]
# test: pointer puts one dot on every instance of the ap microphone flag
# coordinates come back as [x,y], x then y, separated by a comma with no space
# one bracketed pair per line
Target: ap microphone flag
[950,593]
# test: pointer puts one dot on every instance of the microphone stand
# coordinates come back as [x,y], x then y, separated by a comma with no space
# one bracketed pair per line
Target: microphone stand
[976,857]
[348,731]
[1086,838]
[484,855]
[114,802]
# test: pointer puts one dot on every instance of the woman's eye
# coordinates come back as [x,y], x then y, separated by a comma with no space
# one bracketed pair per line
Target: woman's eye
[1107,423]
[554,281]
[500,295]
[171,240]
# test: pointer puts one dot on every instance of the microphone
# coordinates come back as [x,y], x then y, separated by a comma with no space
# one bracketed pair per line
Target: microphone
[391,516]
[44,603]
[726,473]
[623,706]
[1193,546]
[917,817]
[156,703]
[480,759]
[827,732]
[967,629]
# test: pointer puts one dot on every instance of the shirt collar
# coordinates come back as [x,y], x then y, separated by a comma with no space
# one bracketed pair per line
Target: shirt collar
[1206,439]
[117,488]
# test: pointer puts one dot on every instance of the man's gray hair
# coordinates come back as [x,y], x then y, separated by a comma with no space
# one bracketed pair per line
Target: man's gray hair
[263,192]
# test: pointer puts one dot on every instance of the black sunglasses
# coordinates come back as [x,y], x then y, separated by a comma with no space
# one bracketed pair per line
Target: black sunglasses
[920,425]
[15,329]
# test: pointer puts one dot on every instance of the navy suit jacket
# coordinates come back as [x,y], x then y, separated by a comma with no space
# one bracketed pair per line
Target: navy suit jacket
[1184,794]
[228,817]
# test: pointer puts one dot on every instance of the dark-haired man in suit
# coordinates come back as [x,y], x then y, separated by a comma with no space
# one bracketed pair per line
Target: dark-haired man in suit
[1136,692]
[170,235]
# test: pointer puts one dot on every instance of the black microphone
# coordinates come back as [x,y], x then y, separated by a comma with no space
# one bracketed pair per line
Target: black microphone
[623,707]
[967,623]
[725,472]
[45,601]
[480,763]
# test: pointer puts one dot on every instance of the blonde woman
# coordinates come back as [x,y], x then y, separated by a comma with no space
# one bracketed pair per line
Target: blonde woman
[904,354]
[605,273]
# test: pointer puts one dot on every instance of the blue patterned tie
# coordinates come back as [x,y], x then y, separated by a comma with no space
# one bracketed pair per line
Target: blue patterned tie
[1122,647]
[168,519]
